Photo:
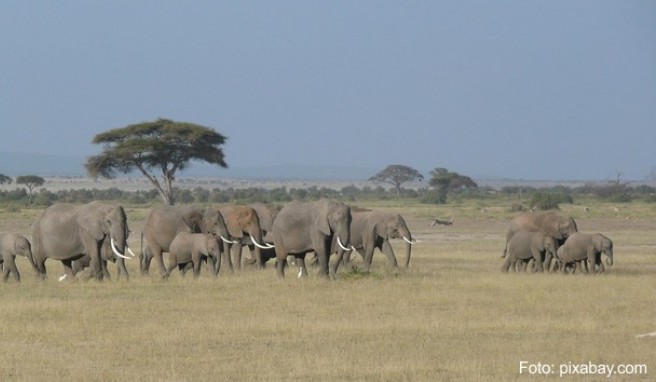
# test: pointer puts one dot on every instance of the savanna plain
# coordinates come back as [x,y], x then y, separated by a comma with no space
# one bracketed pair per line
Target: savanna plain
[451,316]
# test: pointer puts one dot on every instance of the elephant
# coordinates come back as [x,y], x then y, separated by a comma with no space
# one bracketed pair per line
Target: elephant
[303,227]
[267,214]
[243,224]
[525,245]
[373,229]
[586,246]
[67,232]
[164,222]
[11,245]
[550,223]
[189,247]
[106,255]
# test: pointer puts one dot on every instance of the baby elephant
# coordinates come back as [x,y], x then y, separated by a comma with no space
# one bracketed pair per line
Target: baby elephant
[586,246]
[191,247]
[525,245]
[11,245]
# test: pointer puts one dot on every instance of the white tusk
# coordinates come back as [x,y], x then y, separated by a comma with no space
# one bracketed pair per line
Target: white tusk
[269,246]
[62,277]
[116,252]
[409,241]
[258,244]
[354,249]
[227,241]
[339,242]
[652,334]
[131,253]
[300,272]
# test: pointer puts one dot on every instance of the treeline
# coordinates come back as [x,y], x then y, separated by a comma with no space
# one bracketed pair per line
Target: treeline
[524,197]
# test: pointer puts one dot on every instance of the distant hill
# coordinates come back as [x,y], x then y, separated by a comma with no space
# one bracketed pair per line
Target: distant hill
[14,164]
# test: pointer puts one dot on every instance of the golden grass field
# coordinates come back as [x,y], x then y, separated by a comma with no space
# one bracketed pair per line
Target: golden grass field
[452,316]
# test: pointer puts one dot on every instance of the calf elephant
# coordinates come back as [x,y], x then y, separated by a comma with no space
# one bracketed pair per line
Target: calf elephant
[373,229]
[525,245]
[164,222]
[303,227]
[550,223]
[11,245]
[66,232]
[192,247]
[106,255]
[586,246]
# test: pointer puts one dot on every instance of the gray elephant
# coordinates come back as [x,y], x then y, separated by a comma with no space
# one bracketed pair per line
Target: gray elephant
[550,223]
[106,255]
[586,246]
[373,229]
[303,227]
[67,232]
[526,245]
[243,225]
[267,214]
[11,245]
[191,248]
[164,222]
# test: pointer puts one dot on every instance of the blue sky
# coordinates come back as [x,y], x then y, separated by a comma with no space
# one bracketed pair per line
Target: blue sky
[514,89]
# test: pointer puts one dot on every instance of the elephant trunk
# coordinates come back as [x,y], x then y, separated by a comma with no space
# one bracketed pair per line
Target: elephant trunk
[609,259]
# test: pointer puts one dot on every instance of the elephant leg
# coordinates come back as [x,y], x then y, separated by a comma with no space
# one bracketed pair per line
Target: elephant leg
[537,257]
[368,257]
[122,270]
[144,261]
[236,254]
[227,250]
[507,263]
[216,265]
[338,259]
[5,271]
[323,263]
[68,270]
[281,260]
[389,253]
[196,259]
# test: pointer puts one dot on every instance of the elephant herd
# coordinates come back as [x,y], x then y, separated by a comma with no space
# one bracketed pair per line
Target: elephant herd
[552,242]
[90,235]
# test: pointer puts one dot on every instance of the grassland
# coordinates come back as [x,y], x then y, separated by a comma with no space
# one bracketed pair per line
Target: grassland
[452,316]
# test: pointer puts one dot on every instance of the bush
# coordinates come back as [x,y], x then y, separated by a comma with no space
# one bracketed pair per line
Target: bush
[549,201]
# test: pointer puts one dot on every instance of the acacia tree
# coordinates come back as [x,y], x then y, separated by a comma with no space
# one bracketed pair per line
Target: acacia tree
[30,181]
[396,175]
[163,146]
[446,182]
[4,179]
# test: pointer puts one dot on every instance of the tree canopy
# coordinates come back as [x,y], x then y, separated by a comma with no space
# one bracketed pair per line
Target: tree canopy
[163,146]
[396,175]
[4,179]
[446,182]
[30,181]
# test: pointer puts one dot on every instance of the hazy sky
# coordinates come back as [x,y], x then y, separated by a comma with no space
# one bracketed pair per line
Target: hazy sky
[515,89]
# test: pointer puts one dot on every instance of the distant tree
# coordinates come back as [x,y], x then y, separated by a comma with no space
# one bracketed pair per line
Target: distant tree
[396,175]
[4,179]
[446,182]
[162,145]
[30,181]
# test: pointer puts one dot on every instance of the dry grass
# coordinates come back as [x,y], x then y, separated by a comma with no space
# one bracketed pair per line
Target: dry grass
[452,316]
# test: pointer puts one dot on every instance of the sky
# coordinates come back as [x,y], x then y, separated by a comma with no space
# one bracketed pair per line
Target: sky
[489,89]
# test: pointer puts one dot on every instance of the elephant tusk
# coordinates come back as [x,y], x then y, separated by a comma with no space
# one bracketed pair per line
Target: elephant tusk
[258,244]
[409,241]
[339,242]
[270,246]
[227,241]
[62,277]
[353,248]
[116,252]
[300,272]
[131,253]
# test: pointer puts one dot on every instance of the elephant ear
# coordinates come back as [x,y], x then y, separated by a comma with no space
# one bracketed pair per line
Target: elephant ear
[194,220]
[321,223]
[94,222]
